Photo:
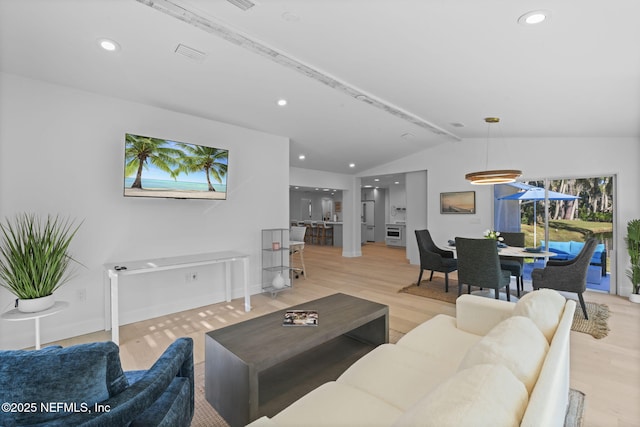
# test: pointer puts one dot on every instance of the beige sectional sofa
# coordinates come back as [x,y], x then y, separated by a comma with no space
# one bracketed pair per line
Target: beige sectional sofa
[495,364]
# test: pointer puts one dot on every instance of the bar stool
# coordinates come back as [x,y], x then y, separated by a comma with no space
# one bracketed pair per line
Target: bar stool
[296,246]
[310,235]
[325,232]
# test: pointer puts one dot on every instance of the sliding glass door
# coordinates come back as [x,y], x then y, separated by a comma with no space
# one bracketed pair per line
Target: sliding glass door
[558,212]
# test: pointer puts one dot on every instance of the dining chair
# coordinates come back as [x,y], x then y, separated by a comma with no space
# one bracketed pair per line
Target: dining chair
[513,264]
[479,265]
[569,275]
[433,258]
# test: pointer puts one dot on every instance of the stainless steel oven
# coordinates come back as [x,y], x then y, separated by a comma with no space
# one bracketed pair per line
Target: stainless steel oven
[394,233]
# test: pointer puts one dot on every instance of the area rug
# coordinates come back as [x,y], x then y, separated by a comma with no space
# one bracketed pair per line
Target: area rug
[575,409]
[596,326]
[598,314]
[435,290]
[204,415]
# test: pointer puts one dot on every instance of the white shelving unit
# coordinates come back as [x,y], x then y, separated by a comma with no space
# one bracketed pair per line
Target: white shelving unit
[276,268]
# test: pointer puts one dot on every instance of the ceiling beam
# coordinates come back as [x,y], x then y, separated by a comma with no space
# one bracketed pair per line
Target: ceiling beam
[215,28]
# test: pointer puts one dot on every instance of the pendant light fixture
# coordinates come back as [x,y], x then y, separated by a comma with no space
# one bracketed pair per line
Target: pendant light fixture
[498,176]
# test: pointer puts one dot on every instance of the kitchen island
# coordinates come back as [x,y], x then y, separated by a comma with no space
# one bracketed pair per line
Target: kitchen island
[337,232]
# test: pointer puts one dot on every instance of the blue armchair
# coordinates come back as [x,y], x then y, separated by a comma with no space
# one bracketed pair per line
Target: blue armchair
[84,385]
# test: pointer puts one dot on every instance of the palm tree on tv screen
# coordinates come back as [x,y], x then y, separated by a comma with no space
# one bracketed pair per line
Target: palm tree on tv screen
[141,150]
[196,158]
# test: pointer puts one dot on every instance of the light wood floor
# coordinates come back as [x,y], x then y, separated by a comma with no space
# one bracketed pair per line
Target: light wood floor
[607,370]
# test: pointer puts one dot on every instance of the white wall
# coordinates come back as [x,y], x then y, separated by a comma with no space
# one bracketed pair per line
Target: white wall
[416,211]
[537,158]
[61,152]
[398,198]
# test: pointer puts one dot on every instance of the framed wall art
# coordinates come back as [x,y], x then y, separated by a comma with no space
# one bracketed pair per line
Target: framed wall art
[458,202]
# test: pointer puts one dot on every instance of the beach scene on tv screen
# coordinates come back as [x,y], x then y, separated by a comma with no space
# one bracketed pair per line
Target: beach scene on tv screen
[157,167]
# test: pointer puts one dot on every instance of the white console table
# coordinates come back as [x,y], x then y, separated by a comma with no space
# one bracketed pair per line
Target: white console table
[127,268]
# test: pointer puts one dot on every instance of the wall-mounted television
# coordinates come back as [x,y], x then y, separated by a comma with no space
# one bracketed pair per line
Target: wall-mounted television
[155,167]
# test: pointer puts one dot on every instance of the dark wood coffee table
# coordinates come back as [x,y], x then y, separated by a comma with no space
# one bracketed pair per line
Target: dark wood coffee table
[258,367]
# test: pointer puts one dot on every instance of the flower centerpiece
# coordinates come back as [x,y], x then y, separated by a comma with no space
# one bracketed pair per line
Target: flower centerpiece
[493,235]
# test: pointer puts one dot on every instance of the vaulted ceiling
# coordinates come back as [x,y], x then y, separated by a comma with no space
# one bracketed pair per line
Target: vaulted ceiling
[366,81]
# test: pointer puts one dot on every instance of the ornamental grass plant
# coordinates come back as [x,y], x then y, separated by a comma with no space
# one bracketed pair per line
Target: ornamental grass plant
[34,254]
[633,247]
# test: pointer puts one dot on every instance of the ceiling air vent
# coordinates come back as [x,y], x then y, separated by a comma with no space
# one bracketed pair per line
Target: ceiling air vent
[190,53]
[242,4]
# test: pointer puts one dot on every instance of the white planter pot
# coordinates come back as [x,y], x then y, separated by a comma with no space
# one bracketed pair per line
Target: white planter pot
[36,304]
[635,298]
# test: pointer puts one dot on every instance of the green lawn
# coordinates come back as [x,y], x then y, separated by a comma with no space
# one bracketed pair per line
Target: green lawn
[565,230]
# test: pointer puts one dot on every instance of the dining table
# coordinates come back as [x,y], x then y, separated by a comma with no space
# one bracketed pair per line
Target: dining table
[517,251]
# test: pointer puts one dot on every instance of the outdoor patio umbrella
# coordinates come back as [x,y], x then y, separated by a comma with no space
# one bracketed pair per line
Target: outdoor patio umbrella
[535,194]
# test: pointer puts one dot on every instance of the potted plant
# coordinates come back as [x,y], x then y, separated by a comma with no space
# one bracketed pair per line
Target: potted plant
[34,258]
[633,247]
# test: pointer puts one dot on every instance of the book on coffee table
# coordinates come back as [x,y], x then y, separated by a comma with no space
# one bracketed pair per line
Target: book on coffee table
[300,318]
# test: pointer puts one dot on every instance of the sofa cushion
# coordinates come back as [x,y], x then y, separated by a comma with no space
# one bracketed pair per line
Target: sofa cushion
[544,307]
[561,247]
[440,338]
[397,375]
[575,247]
[81,374]
[336,404]
[483,395]
[516,343]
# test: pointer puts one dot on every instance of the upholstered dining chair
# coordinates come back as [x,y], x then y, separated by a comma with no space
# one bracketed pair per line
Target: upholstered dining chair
[433,258]
[513,264]
[479,265]
[568,276]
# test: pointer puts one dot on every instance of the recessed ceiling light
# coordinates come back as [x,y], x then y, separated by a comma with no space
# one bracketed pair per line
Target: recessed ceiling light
[109,45]
[352,165]
[302,157]
[282,102]
[397,182]
[377,180]
[534,17]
